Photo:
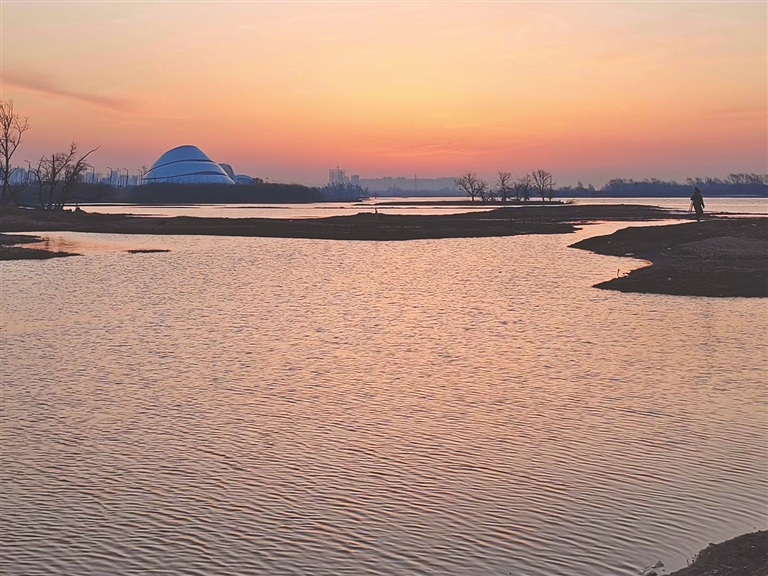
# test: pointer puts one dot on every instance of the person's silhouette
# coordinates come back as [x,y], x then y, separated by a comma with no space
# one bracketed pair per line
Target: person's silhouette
[698,203]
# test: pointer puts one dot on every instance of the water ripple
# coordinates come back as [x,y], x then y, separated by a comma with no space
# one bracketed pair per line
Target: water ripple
[252,406]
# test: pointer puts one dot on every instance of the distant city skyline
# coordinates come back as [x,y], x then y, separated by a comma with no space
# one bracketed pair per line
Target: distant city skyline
[288,91]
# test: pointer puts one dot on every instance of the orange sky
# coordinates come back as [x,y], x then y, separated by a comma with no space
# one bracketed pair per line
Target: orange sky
[287,90]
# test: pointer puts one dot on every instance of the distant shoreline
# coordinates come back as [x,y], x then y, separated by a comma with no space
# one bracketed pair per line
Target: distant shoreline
[415,200]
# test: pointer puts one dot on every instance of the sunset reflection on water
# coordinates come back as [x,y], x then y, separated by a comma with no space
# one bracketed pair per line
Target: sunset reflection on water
[247,405]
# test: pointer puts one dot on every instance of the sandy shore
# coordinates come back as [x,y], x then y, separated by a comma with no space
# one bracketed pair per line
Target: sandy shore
[721,257]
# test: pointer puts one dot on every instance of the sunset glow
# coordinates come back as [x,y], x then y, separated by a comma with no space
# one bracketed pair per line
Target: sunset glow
[589,91]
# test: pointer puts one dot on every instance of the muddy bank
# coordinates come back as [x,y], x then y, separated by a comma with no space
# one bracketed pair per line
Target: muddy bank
[720,257]
[557,219]
[463,202]
[9,249]
[745,555]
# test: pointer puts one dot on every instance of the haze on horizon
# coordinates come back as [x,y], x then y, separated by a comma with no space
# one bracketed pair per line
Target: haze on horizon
[588,91]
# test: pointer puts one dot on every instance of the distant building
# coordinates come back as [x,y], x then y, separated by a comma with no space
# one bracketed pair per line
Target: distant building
[228,169]
[186,164]
[236,178]
[355,180]
[337,177]
[19,175]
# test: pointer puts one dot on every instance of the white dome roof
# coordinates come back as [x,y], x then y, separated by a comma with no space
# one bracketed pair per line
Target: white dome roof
[187,164]
[227,169]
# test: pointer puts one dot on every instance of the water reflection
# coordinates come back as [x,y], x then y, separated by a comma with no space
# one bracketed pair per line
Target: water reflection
[418,205]
[286,406]
[90,243]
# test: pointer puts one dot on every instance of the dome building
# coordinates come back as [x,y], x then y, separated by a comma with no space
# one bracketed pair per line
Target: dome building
[187,165]
[228,169]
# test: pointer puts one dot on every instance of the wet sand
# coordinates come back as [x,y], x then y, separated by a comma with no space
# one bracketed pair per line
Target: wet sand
[719,257]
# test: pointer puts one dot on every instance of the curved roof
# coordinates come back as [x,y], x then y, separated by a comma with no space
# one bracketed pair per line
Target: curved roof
[228,169]
[187,164]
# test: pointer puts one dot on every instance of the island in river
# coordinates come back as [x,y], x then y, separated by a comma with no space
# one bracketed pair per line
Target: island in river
[716,257]
[555,219]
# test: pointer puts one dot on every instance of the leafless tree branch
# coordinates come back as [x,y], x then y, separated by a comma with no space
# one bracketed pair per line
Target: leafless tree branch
[12,129]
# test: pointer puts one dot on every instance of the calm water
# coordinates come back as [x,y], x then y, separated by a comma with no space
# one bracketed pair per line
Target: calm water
[453,407]
[309,210]
[322,209]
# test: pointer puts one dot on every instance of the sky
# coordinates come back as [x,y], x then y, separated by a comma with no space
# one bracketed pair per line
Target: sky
[287,90]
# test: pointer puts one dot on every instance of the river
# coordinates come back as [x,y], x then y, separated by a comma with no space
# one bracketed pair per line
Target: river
[413,205]
[288,406]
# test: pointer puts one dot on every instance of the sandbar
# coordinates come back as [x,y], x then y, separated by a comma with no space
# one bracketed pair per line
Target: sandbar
[723,257]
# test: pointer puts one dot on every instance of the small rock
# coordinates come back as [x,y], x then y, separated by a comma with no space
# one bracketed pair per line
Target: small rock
[650,570]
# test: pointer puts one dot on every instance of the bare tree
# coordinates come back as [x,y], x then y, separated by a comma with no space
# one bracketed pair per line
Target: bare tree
[48,175]
[58,175]
[17,187]
[551,190]
[485,191]
[523,188]
[12,128]
[472,185]
[504,186]
[543,183]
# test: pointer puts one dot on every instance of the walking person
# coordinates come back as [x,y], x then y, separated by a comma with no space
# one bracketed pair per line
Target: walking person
[698,203]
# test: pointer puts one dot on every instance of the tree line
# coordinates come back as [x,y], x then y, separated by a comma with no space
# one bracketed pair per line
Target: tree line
[206,193]
[541,183]
[56,177]
[741,184]
[56,180]
[506,188]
